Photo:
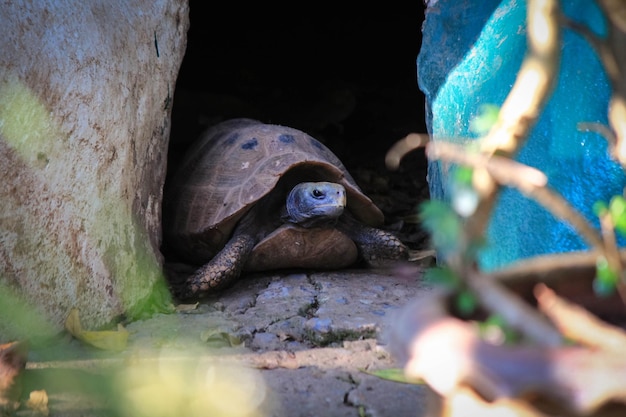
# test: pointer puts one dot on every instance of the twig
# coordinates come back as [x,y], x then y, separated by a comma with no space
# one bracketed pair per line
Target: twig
[551,268]
[466,402]
[449,355]
[617,120]
[534,83]
[603,130]
[518,314]
[578,324]
[530,181]
[611,252]
[504,170]
[524,104]
[609,52]
[402,147]
[613,56]
[601,47]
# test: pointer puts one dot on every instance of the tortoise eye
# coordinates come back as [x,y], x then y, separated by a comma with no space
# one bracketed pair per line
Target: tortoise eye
[317,193]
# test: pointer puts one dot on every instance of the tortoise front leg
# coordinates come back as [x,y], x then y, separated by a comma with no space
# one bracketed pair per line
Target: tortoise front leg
[376,247]
[222,269]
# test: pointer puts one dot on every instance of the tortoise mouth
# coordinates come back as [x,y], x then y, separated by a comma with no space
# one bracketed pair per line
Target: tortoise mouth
[329,211]
[331,207]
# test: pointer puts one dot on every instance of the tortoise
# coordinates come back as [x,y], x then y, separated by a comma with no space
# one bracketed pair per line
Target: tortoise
[250,196]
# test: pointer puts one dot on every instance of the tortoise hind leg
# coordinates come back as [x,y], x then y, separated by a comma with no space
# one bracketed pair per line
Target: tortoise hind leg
[377,247]
[222,269]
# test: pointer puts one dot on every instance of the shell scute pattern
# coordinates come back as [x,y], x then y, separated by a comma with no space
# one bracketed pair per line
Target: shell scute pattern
[250,144]
[285,138]
[231,140]
[316,144]
[238,162]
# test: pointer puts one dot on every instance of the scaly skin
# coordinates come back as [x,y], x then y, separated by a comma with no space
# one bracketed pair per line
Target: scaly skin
[222,269]
[377,247]
[226,266]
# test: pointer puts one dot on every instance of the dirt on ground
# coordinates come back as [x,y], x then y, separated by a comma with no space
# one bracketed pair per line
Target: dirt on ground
[288,344]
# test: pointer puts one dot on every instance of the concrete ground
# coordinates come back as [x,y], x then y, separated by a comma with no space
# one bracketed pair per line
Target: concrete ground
[272,345]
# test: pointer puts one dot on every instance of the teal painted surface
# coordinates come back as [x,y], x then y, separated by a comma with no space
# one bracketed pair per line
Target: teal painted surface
[470,56]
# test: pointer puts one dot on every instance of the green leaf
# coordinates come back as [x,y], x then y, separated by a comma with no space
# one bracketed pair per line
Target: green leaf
[600,208]
[617,208]
[606,278]
[393,374]
[485,119]
[443,224]
[500,324]
[441,275]
[22,320]
[466,303]
[463,175]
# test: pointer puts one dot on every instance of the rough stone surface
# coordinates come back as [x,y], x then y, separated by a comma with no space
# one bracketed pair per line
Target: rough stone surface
[261,324]
[85,100]
[470,57]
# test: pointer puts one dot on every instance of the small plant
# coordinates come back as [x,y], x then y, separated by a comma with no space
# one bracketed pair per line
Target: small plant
[450,355]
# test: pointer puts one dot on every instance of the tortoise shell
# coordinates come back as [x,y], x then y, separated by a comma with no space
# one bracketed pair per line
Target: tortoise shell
[235,164]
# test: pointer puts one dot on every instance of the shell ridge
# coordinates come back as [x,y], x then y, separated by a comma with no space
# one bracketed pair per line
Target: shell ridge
[236,163]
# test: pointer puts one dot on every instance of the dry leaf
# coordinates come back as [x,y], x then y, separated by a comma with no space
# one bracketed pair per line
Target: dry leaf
[38,401]
[105,339]
[219,338]
[393,374]
[180,308]
[12,362]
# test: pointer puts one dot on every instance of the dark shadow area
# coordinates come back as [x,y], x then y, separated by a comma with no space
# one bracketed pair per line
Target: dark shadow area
[346,76]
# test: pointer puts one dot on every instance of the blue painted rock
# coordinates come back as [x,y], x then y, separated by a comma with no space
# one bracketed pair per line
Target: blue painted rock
[253,196]
[470,57]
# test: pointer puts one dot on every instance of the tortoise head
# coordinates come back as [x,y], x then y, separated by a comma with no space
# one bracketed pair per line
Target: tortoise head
[314,203]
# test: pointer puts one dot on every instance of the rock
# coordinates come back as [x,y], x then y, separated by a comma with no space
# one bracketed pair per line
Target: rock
[85,98]
[265,341]
[381,397]
[470,56]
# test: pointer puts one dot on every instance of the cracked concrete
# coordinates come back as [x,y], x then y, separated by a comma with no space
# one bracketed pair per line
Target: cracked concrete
[295,311]
[330,325]
[309,339]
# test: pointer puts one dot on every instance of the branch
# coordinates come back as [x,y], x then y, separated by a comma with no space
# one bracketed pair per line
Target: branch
[526,100]
[534,83]
[448,355]
[530,181]
[403,147]
[613,56]
[518,314]
[578,324]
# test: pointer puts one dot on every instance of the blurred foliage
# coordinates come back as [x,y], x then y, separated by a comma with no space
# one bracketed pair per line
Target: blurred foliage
[20,320]
[497,331]
[606,278]
[25,123]
[486,118]
[392,374]
[607,275]
[443,224]
[189,386]
[616,209]
[442,275]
